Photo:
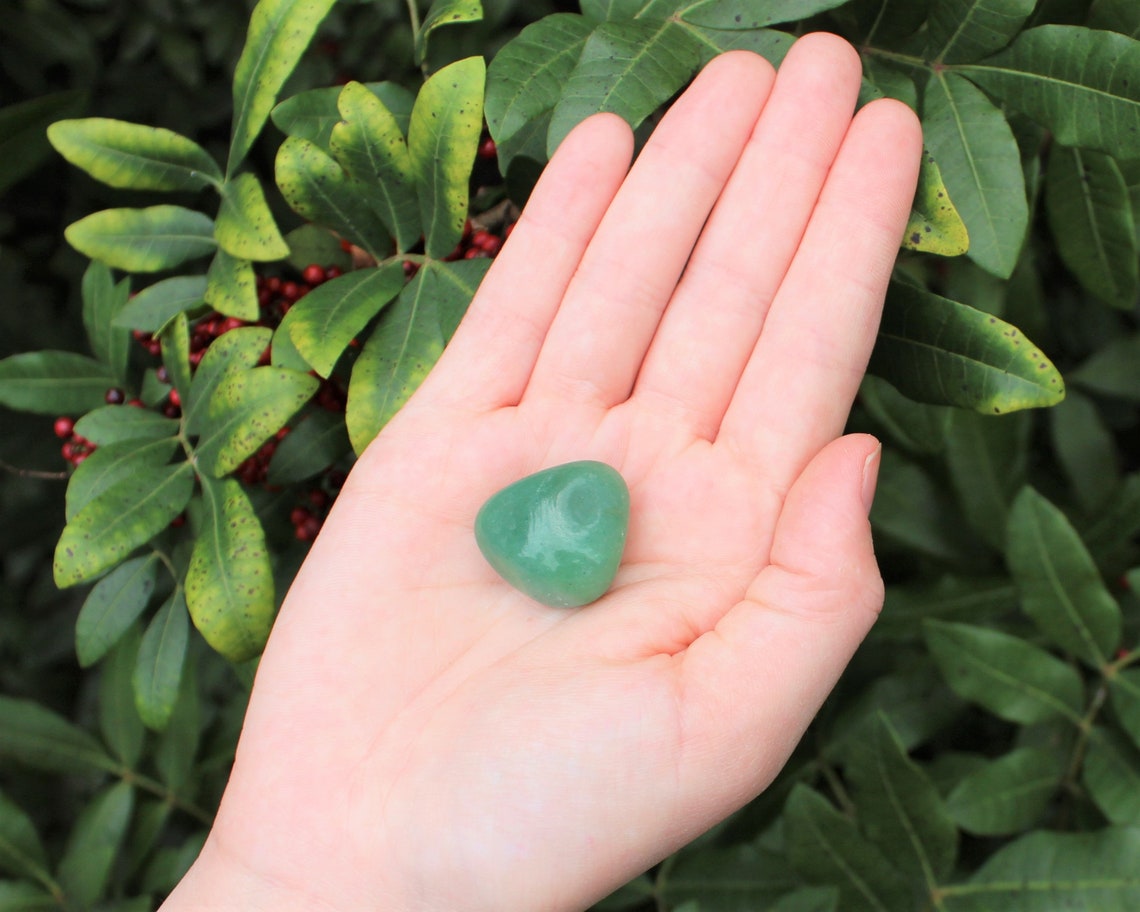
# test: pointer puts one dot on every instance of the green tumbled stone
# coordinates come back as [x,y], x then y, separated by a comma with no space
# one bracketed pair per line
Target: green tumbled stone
[558,535]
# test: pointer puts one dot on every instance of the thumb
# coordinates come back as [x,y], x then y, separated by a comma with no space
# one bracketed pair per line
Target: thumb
[753,686]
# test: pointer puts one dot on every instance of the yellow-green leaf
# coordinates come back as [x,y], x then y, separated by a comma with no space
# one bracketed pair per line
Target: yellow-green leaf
[246,408]
[245,227]
[279,31]
[229,584]
[131,156]
[231,287]
[442,139]
[123,517]
[143,240]
[324,321]
[934,225]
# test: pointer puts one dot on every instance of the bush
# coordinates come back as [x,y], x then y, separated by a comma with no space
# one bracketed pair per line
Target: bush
[303,268]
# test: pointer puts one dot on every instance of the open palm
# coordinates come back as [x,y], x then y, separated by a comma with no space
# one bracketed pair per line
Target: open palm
[423,736]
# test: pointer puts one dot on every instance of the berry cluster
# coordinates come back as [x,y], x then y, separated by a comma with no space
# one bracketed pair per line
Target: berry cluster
[75,448]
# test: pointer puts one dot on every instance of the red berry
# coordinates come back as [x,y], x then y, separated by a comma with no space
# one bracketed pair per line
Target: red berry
[175,398]
[136,403]
[313,274]
[67,451]
[227,324]
[114,396]
[63,427]
[162,374]
[273,283]
[298,515]
[487,148]
[178,521]
[333,272]
[291,291]
[318,498]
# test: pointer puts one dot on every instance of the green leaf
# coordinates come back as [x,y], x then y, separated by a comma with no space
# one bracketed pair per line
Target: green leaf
[1061,588]
[808,899]
[1086,449]
[229,584]
[526,78]
[936,350]
[123,517]
[771,44]
[312,244]
[1090,217]
[964,599]
[1082,84]
[311,447]
[43,740]
[911,509]
[987,458]
[23,136]
[965,30]
[453,285]
[119,720]
[442,139]
[21,852]
[1048,872]
[899,808]
[1112,775]
[131,156]
[752,14]
[93,845]
[112,606]
[1007,795]
[934,226]
[178,744]
[114,423]
[175,341]
[981,165]
[231,287]
[1004,674]
[401,351]
[20,896]
[144,240]
[445,12]
[102,301]
[1117,16]
[239,349]
[824,847]
[318,189]
[325,320]
[1124,689]
[914,426]
[279,31]
[1112,371]
[313,114]
[245,227]
[111,464]
[244,410]
[158,666]
[155,306]
[629,68]
[370,146]
[737,878]
[53,382]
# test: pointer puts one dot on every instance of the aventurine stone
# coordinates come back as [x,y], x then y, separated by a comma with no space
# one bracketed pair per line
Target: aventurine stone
[558,535]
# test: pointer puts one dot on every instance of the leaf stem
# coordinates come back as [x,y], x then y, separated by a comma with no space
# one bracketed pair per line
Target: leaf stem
[414,15]
[32,473]
[159,790]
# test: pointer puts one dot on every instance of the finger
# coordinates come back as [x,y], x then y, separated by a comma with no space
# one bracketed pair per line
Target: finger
[797,389]
[715,316]
[599,337]
[753,683]
[489,360]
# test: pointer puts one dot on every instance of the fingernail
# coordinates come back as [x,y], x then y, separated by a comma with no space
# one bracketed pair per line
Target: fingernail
[871,477]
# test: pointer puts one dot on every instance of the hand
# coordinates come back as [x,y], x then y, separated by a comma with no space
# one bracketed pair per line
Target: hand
[420,735]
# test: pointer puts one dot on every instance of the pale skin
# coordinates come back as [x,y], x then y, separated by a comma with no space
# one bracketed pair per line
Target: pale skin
[423,737]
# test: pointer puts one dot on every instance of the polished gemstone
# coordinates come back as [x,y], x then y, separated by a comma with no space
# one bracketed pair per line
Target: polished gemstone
[558,535]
